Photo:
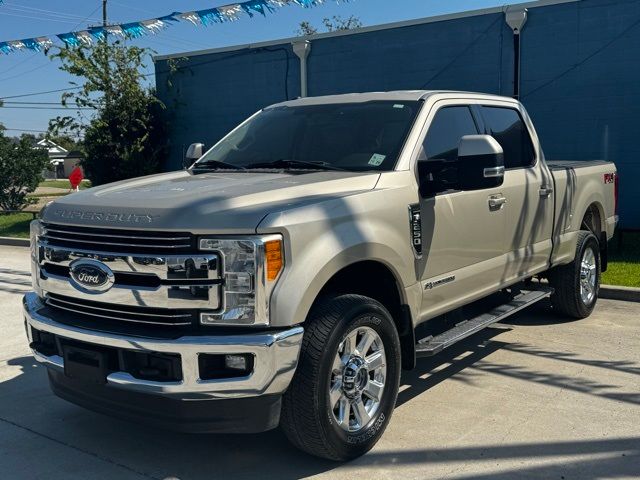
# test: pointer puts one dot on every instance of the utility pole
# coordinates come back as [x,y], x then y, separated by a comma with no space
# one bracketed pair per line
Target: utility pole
[107,93]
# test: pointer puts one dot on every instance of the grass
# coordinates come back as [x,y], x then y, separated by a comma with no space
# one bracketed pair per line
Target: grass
[624,261]
[64,184]
[47,195]
[15,225]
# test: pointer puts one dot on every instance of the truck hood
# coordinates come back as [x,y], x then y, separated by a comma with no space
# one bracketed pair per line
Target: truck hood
[213,202]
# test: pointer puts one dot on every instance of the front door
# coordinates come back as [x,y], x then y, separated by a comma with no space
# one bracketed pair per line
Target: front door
[462,231]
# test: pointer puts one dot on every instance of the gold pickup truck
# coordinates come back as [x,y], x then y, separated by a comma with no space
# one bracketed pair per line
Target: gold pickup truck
[289,274]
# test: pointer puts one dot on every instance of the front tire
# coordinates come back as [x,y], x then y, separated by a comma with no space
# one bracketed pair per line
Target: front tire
[345,387]
[577,284]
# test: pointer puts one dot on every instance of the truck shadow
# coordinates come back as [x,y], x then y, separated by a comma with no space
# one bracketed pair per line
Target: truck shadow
[127,450]
[27,404]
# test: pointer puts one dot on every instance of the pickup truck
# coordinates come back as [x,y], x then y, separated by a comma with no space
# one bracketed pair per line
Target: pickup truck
[290,274]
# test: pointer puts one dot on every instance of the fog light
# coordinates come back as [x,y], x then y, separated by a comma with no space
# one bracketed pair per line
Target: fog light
[216,366]
[235,362]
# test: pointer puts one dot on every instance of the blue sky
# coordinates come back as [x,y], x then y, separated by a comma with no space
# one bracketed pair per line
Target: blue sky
[26,72]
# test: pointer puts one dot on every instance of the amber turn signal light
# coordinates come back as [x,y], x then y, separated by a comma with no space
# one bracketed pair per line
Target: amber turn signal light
[273,251]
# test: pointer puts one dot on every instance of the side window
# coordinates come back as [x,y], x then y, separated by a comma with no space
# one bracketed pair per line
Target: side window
[447,128]
[507,127]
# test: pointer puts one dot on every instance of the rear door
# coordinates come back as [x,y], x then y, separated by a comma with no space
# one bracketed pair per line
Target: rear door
[462,235]
[528,189]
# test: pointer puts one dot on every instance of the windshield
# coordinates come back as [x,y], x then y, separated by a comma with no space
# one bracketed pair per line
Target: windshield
[343,136]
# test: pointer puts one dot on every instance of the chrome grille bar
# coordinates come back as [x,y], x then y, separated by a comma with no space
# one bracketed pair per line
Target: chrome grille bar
[55,230]
[59,300]
[102,242]
[131,241]
[120,315]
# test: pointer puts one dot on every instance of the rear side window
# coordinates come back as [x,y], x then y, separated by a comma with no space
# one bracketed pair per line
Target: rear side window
[447,128]
[507,127]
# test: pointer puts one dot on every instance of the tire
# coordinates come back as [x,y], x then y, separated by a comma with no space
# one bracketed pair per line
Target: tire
[572,296]
[308,417]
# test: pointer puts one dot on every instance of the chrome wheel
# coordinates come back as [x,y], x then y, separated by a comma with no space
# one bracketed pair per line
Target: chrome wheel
[358,378]
[588,276]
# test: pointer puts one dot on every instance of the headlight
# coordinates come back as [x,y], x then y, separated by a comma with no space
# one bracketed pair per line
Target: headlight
[35,230]
[251,267]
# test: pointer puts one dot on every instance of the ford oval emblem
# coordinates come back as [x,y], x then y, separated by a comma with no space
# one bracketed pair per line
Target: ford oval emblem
[90,276]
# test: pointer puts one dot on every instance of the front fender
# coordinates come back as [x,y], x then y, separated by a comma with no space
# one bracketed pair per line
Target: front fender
[324,238]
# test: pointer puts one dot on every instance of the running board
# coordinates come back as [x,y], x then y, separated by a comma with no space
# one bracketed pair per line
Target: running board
[433,345]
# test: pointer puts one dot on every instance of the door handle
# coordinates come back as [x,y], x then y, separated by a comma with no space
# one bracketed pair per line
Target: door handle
[496,201]
[545,191]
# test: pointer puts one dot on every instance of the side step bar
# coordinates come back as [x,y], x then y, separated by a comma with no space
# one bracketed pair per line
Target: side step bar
[433,345]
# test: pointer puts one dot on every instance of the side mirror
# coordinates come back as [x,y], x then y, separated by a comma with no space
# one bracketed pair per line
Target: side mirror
[480,163]
[194,152]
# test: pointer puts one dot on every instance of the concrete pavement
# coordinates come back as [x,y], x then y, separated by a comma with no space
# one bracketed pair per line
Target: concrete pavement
[542,398]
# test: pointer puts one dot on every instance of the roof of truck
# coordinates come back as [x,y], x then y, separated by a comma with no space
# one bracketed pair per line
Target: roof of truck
[398,95]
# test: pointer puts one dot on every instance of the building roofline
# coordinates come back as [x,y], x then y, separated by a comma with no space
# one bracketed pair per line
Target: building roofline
[373,28]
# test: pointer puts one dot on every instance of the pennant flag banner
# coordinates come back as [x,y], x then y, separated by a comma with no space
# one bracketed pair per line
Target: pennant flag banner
[210,16]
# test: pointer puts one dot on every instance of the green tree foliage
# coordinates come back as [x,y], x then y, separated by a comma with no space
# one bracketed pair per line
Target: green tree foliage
[21,166]
[125,135]
[333,24]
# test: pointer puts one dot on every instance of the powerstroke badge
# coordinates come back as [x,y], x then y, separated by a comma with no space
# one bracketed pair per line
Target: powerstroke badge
[437,283]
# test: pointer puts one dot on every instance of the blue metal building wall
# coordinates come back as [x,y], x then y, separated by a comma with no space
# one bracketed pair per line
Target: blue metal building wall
[580,78]
[581,85]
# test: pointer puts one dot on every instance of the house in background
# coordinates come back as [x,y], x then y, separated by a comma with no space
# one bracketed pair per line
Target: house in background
[62,161]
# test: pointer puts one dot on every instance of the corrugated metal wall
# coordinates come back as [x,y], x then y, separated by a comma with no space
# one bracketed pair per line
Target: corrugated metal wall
[580,78]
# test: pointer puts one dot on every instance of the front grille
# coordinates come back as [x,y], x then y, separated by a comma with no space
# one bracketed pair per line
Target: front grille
[94,312]
[120,241]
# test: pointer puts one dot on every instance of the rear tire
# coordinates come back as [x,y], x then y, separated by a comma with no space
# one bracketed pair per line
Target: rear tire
[577,283]
[345,386]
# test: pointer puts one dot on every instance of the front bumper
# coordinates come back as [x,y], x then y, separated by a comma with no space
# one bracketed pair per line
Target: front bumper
[275,360]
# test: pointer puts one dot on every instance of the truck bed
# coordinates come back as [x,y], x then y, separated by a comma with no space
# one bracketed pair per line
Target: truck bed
[564,164]
[578,184]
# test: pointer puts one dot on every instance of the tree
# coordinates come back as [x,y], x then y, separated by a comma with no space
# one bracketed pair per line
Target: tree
[333,24]
[21,166]
[125,136]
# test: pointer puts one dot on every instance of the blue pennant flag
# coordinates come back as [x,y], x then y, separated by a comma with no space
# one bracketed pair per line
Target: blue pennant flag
[170,18]
[69,39]
[210,15]
[97,32]
[256,6]
[141,28]
[133,30]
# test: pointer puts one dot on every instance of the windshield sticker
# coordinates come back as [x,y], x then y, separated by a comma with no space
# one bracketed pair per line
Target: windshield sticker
[398,105]
[377,159]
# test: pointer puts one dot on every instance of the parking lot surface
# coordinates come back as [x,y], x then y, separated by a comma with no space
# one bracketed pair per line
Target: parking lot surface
[539,397]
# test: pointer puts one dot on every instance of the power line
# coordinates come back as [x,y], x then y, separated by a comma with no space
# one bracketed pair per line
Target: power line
[42,11]
[36,53]
[151,74]
[48,108]
[11,77]
[22,130]
[33,94]
[37,18]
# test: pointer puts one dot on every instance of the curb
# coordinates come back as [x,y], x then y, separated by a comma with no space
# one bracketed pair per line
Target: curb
[14,242]
[614,292]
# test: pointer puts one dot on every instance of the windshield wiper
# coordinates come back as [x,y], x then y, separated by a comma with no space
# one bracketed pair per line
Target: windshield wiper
[286,163]
[216,163]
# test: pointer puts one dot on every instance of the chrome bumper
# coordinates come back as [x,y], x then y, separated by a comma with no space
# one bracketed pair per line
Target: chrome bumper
[276,358]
